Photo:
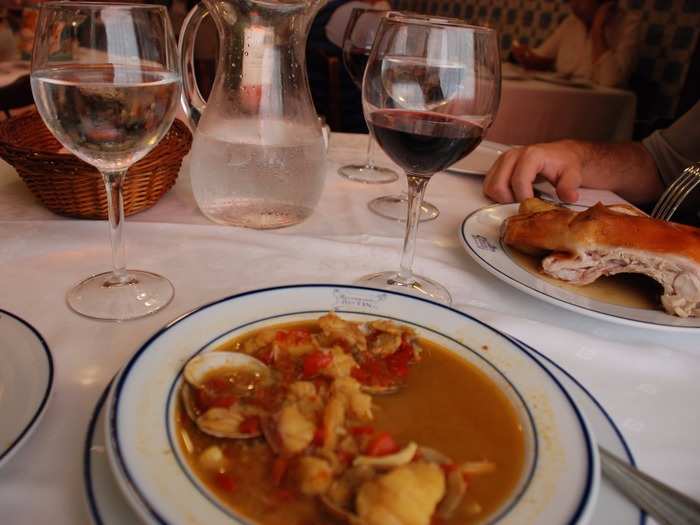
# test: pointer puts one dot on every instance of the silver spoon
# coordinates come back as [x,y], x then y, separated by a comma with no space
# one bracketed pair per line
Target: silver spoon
[665,504]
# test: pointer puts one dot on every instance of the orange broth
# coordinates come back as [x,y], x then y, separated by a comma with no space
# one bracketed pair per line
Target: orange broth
[448,405]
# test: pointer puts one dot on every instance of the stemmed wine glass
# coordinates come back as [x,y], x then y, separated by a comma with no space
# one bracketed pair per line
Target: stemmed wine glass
[106,82]
[357,44]
[430,92]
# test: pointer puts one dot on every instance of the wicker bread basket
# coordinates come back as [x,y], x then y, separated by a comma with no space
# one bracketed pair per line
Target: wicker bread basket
[68,186]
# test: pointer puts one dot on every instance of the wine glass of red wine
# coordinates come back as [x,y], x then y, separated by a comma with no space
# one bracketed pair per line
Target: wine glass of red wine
[430,92]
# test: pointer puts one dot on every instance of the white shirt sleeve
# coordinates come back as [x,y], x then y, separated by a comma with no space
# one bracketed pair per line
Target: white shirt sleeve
[614,67]
[550,47]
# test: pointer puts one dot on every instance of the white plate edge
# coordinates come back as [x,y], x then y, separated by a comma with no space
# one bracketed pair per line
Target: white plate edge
[19,441]
[501,275]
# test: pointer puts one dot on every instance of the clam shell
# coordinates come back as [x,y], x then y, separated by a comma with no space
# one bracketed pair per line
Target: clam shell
[201,365]
[216,421]
[188,402]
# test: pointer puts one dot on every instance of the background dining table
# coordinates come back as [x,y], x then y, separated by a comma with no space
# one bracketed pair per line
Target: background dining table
[535,110]
[647,380]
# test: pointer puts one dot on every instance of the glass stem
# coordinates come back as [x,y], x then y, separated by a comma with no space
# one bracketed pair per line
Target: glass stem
[114,184]
[370,161]
[416,190]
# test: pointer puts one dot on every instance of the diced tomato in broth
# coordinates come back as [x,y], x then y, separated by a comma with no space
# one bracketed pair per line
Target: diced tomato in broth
[365,430]
[399,361]
[374,372]
[267,355]
[225,481]
[314,362]
[219,391]
[250,425]
[387,371]
[284,495]
[344,457]
[381,444]
[292,337]
[206,400]
[279,470]
[319,436]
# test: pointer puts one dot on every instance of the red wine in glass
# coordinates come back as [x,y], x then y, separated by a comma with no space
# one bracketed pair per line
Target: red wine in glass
[429,93]
[424,143]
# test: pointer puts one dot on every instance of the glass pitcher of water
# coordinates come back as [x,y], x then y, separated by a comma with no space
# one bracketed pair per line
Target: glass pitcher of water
[258,153]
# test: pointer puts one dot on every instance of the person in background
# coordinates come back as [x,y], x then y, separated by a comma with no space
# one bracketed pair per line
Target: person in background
[637,171]
[598,41]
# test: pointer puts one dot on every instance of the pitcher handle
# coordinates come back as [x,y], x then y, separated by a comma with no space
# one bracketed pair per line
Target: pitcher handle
[192,101]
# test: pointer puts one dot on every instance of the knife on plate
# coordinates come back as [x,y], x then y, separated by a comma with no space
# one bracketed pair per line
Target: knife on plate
[665,504]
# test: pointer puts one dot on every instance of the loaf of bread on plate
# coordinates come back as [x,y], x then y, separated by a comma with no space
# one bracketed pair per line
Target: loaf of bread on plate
[580,246]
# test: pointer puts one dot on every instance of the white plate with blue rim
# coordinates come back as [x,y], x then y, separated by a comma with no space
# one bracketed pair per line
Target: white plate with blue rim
[26,382]
[559,481]
[108,506]
[480,234]
[105,502]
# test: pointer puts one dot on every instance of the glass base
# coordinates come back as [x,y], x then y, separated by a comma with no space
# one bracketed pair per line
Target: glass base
[140,294]
[396,207]
[368,174]
[416,285]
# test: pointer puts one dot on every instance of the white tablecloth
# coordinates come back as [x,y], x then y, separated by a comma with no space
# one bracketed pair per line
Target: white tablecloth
[536,111]
[648,381]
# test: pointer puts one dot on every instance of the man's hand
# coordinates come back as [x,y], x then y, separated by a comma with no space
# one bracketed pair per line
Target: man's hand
[513,174]
[625,168]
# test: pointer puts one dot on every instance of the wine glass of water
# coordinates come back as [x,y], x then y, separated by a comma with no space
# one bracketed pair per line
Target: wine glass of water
[430,92]
[106,82]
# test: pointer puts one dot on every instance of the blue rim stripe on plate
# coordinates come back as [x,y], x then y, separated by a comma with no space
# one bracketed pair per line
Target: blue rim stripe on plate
[87,459]
[588,438]
[636,322]
[618,433]
[94,510]
[112,415]
[207,494]
[47,392]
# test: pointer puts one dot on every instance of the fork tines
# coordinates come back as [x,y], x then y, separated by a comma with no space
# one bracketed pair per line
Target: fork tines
[673,196]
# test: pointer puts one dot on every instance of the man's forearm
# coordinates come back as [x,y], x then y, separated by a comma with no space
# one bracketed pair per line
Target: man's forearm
[626,168]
